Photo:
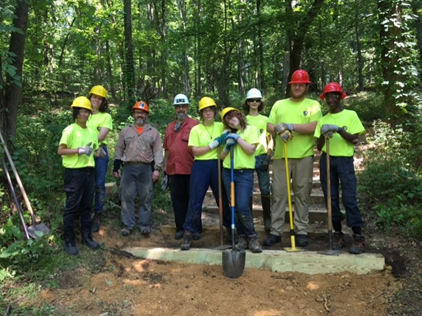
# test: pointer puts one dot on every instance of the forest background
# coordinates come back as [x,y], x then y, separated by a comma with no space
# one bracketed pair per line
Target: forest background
[52,51]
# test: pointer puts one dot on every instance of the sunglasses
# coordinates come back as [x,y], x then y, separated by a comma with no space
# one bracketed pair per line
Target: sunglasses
[254,100]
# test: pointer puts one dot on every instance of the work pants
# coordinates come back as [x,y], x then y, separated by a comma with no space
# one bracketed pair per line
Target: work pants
[100,178]
[179,193]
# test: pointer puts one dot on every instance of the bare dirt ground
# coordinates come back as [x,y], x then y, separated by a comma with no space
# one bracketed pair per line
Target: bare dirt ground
[126,285]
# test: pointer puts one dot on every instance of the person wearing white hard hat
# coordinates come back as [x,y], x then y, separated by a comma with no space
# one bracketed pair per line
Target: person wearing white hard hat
[252,108]
[178,160]
[76,147]
[293,121]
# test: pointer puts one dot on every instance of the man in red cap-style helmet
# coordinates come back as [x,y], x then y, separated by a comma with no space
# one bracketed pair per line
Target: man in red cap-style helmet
[138,146]
[342,127]
[294,120]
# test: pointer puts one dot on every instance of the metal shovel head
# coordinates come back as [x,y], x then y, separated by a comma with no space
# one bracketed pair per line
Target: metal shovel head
[38,230]
[233,263]
[331,252]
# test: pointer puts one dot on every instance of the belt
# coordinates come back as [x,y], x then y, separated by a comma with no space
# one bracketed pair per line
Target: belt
[135,163]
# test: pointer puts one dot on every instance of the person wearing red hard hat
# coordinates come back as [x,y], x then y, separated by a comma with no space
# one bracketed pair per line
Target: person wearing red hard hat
[293,121]
[139,145]
[342,127]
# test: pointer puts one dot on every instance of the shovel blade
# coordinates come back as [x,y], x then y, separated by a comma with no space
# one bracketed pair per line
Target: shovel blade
[37,231]
[234,263]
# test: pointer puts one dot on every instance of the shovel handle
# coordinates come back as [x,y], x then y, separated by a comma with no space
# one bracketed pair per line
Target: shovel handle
[289,198]
[18,180]
[220,197]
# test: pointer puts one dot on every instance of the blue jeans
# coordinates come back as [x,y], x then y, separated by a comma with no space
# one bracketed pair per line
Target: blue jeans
[264,182]
[79,188]
[243,179]
[341,172]
[100,177]
[136,178]
[204,174]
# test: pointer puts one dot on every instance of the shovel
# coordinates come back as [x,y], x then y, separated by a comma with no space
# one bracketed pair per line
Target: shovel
[18,206]
[289,199]
[35,230]
[330,252]
[234,260]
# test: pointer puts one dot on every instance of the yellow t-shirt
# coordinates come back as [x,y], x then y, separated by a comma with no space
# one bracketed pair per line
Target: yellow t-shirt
[339,147]
[260,122]
[99,120]
[74,137]
[304,112]
[241,159]
[201,136]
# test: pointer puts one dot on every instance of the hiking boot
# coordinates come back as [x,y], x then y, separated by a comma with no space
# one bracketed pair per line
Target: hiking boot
[242,244]
[358,244]
[87,240]
[95,226]
[271,240]
[196,236]
[254,246]
[187,239]
[126,231]
[145,231]
[70,247]
[179,235]
[338,241]
[302,240]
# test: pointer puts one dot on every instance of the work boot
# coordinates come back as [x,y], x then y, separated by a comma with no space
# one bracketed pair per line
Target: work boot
[196,236]
[87,240]
[266,211]
[271,240]
[242,244]
[179,235]
[302,240]
[187,239]
[95,226]
[69,246]
[254,246]
[145,231]
[358,244]
[338,241]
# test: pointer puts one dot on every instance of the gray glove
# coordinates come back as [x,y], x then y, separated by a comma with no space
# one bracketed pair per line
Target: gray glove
[280,128]
[230,142]
[165,182]
[331,128]
[87,150]
[286,135]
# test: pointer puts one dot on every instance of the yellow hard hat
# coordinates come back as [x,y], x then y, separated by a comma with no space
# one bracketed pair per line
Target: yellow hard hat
[206,102]
[82,102]
[99,90]
[227,110]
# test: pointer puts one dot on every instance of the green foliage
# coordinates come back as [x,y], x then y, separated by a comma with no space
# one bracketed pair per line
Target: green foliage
[391,182]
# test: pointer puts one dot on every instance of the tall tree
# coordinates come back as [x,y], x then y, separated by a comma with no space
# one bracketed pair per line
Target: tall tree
[13,82]
[129,65]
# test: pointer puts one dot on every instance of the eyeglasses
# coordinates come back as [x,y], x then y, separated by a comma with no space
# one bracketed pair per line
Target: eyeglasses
[254,100]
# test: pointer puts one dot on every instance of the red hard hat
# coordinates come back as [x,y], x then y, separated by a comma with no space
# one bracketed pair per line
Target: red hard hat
[300,76]
[141,105]
[333,87]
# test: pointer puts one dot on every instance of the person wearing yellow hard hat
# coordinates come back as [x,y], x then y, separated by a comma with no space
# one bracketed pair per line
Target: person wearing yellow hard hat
[76,147]
[139,150]
[244,139]
[102,123]
[204,139]
[293,121]
[253,107]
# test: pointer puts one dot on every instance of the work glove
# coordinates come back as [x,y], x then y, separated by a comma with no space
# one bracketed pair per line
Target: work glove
[232,136]
[286,135]
[280,128]
[165,182]
[329,129]
[219,140]
[100,153]
[87,150]
[230,142]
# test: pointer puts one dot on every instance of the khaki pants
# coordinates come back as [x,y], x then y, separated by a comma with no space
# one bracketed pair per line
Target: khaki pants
[301,171]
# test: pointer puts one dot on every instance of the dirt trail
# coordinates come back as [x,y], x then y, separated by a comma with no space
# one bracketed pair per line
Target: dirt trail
[132,286]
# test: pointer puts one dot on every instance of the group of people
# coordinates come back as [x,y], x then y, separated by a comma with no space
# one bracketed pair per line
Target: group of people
[202,154]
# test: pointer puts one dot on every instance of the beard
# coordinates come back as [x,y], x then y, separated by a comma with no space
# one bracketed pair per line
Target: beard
[140,121]
[181,116]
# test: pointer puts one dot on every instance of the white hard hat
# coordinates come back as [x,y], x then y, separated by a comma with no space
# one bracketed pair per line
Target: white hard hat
[180,99]
[254,93]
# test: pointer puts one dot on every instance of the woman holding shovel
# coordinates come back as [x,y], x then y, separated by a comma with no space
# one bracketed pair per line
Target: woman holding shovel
[76,147]
[340,129]
[245,139]
[102,123]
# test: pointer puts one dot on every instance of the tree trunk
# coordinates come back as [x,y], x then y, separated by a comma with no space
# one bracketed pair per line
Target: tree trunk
[13,84]
[261,51]
[360,56]
[111,87]
[182,9]
[130,65]
[416,11]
